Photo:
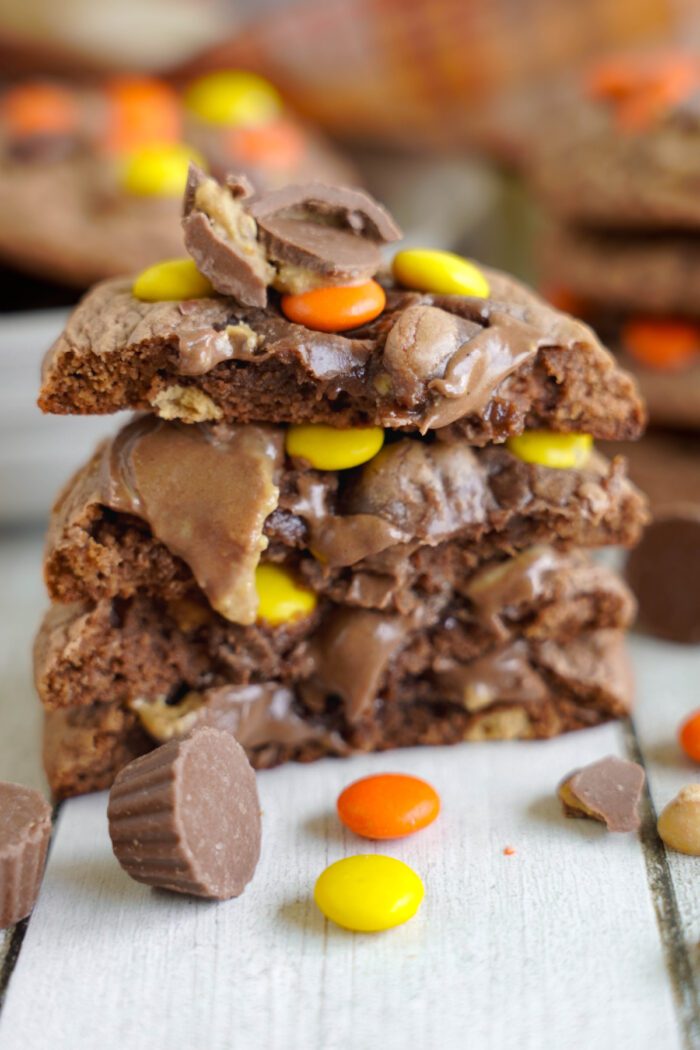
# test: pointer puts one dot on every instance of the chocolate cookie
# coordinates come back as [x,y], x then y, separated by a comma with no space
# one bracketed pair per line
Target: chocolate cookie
[170,509]
[621,149]
[66,212]
[123,649]
[474,368]
[528,689]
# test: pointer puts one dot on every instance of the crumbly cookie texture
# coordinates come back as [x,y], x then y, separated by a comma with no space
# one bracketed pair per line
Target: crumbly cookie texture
[125,649]
[375,537]
[537,689]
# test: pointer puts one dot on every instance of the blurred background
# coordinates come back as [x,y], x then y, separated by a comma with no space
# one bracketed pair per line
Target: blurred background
[437,106]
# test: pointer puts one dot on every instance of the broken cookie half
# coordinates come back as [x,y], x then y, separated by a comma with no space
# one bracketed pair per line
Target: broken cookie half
[608,790]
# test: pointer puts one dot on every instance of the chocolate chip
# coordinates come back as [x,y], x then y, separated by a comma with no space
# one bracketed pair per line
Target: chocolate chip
[186,817]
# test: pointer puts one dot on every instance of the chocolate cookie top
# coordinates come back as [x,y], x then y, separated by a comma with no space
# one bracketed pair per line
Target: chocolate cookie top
[482,366]
[620,150]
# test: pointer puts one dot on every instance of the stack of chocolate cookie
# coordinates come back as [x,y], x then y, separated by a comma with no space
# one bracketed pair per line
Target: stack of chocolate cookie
[619,170]
[352,513]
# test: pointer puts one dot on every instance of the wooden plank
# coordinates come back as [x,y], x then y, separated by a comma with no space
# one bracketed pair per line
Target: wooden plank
[668,689]
[556,943]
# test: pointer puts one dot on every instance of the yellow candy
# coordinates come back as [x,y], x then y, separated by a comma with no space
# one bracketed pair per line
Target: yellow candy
[174,279]
[551,450]
[158,171]
[234,98]
[369,892]
[327,448]
[280,597]
[442,273]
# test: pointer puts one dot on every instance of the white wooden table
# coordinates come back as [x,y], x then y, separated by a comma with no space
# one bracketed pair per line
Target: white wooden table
[579,940]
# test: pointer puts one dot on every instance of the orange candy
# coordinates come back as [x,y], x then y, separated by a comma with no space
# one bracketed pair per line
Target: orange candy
[642,88]
[39,109]
[689,736]
[336,308]
[388,806]
[142,111]
[276,145]
[662,344]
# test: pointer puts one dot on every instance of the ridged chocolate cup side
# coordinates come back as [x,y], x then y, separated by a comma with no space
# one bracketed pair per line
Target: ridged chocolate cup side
[25,831]
[186,817]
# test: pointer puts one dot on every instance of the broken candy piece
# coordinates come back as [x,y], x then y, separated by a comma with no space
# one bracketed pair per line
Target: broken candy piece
[318,235]
[186,817]
[221,237]
[608,791]
[25,830]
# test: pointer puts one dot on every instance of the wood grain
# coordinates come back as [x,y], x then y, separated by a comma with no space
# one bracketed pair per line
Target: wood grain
[559,938]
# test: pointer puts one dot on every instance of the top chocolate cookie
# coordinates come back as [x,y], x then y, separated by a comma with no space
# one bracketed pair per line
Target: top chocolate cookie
[281,321]
[621,149]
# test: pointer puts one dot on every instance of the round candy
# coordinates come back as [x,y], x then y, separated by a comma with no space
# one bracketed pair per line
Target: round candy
[281,598]
[158,171]
[141,111]
[39,109]
[233,97]
[171,280]
[388,806]
[442,273]
[277,145]
[369,892]
[328,448]
[664,345]
[548,449]
[679,822]
[336,308]
[689,736]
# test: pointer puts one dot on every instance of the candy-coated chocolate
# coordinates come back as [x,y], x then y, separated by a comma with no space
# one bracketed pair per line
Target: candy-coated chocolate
[388,805]
[369,892]
[337,307]
[141,111]
[281,598]
[328,448]
[278,145]
[666,345]
[689,736]
[171,280]
[233,97]
[442,273]
[39,108]
[159,171]
[547,449]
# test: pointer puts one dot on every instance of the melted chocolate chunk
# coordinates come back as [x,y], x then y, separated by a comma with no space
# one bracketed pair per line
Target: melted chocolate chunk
[205,494]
